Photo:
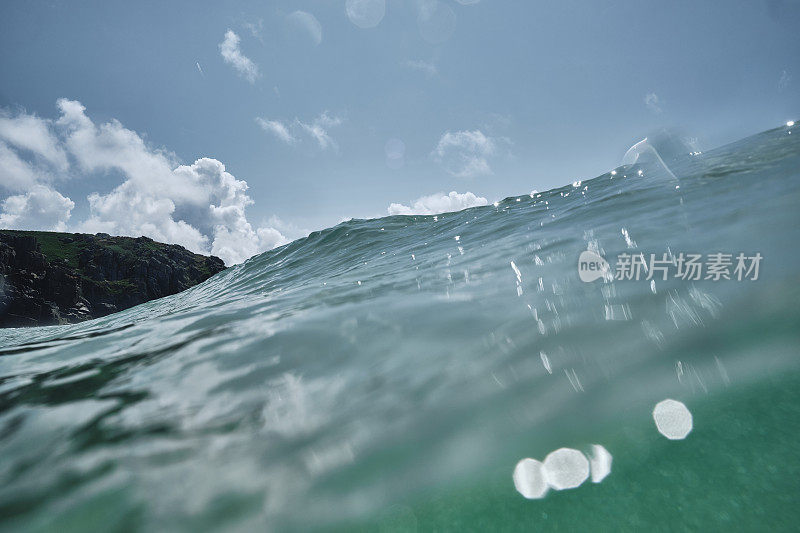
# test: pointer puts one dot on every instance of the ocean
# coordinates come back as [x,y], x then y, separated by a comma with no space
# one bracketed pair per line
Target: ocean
[390,374]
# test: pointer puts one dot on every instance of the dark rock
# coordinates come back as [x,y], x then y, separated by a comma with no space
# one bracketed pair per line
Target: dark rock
[55,278]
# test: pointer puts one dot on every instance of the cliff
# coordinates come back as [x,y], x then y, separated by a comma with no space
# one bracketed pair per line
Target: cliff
[60,278]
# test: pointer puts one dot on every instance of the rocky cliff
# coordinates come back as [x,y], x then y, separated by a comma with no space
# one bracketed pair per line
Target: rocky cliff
[60,278]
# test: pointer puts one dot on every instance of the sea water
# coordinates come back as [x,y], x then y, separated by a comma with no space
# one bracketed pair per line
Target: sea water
[390,374]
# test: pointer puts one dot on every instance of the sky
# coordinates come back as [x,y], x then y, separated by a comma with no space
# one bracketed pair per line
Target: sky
[232,127]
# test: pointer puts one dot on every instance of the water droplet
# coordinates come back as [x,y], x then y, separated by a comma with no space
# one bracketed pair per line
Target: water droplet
[600,463]
[566,468]
[529,479]
[365,13]
[673,419]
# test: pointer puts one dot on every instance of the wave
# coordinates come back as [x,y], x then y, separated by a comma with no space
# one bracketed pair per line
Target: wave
[392,372]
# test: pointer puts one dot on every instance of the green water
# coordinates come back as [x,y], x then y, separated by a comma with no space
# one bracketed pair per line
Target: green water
[386,375]
[738,472]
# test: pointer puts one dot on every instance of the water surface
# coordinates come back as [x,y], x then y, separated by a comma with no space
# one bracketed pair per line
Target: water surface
[389,374]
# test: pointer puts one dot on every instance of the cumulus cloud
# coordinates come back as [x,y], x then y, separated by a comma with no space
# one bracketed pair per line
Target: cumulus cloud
[232,55]
[29,152]
[214,221]
[31,133]
[291,231]
[316,130]
[111,146]
[465,154]
[41,208]
[199,206]
[16,174]
[438,203]
[653,102]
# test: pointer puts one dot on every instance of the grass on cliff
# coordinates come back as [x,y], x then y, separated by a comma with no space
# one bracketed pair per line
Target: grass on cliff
[54,245]
[68,246]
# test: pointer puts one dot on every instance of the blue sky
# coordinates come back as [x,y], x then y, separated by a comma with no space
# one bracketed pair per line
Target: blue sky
[306,106]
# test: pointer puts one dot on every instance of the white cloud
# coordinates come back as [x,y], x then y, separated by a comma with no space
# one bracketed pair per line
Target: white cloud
[199,206]
[31,133]
[465,154]
[17,174]
[426,67]
[653,102]
[255,28]
[216,223]
[316,130]
[242,242]
[291,231]
[29,152]
[231,54]
[41,208]
[278,129]
[111,146]
[207,217]
[133,211]
[438,203]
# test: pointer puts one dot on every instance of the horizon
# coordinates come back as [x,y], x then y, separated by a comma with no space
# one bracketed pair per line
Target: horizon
[244,127]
